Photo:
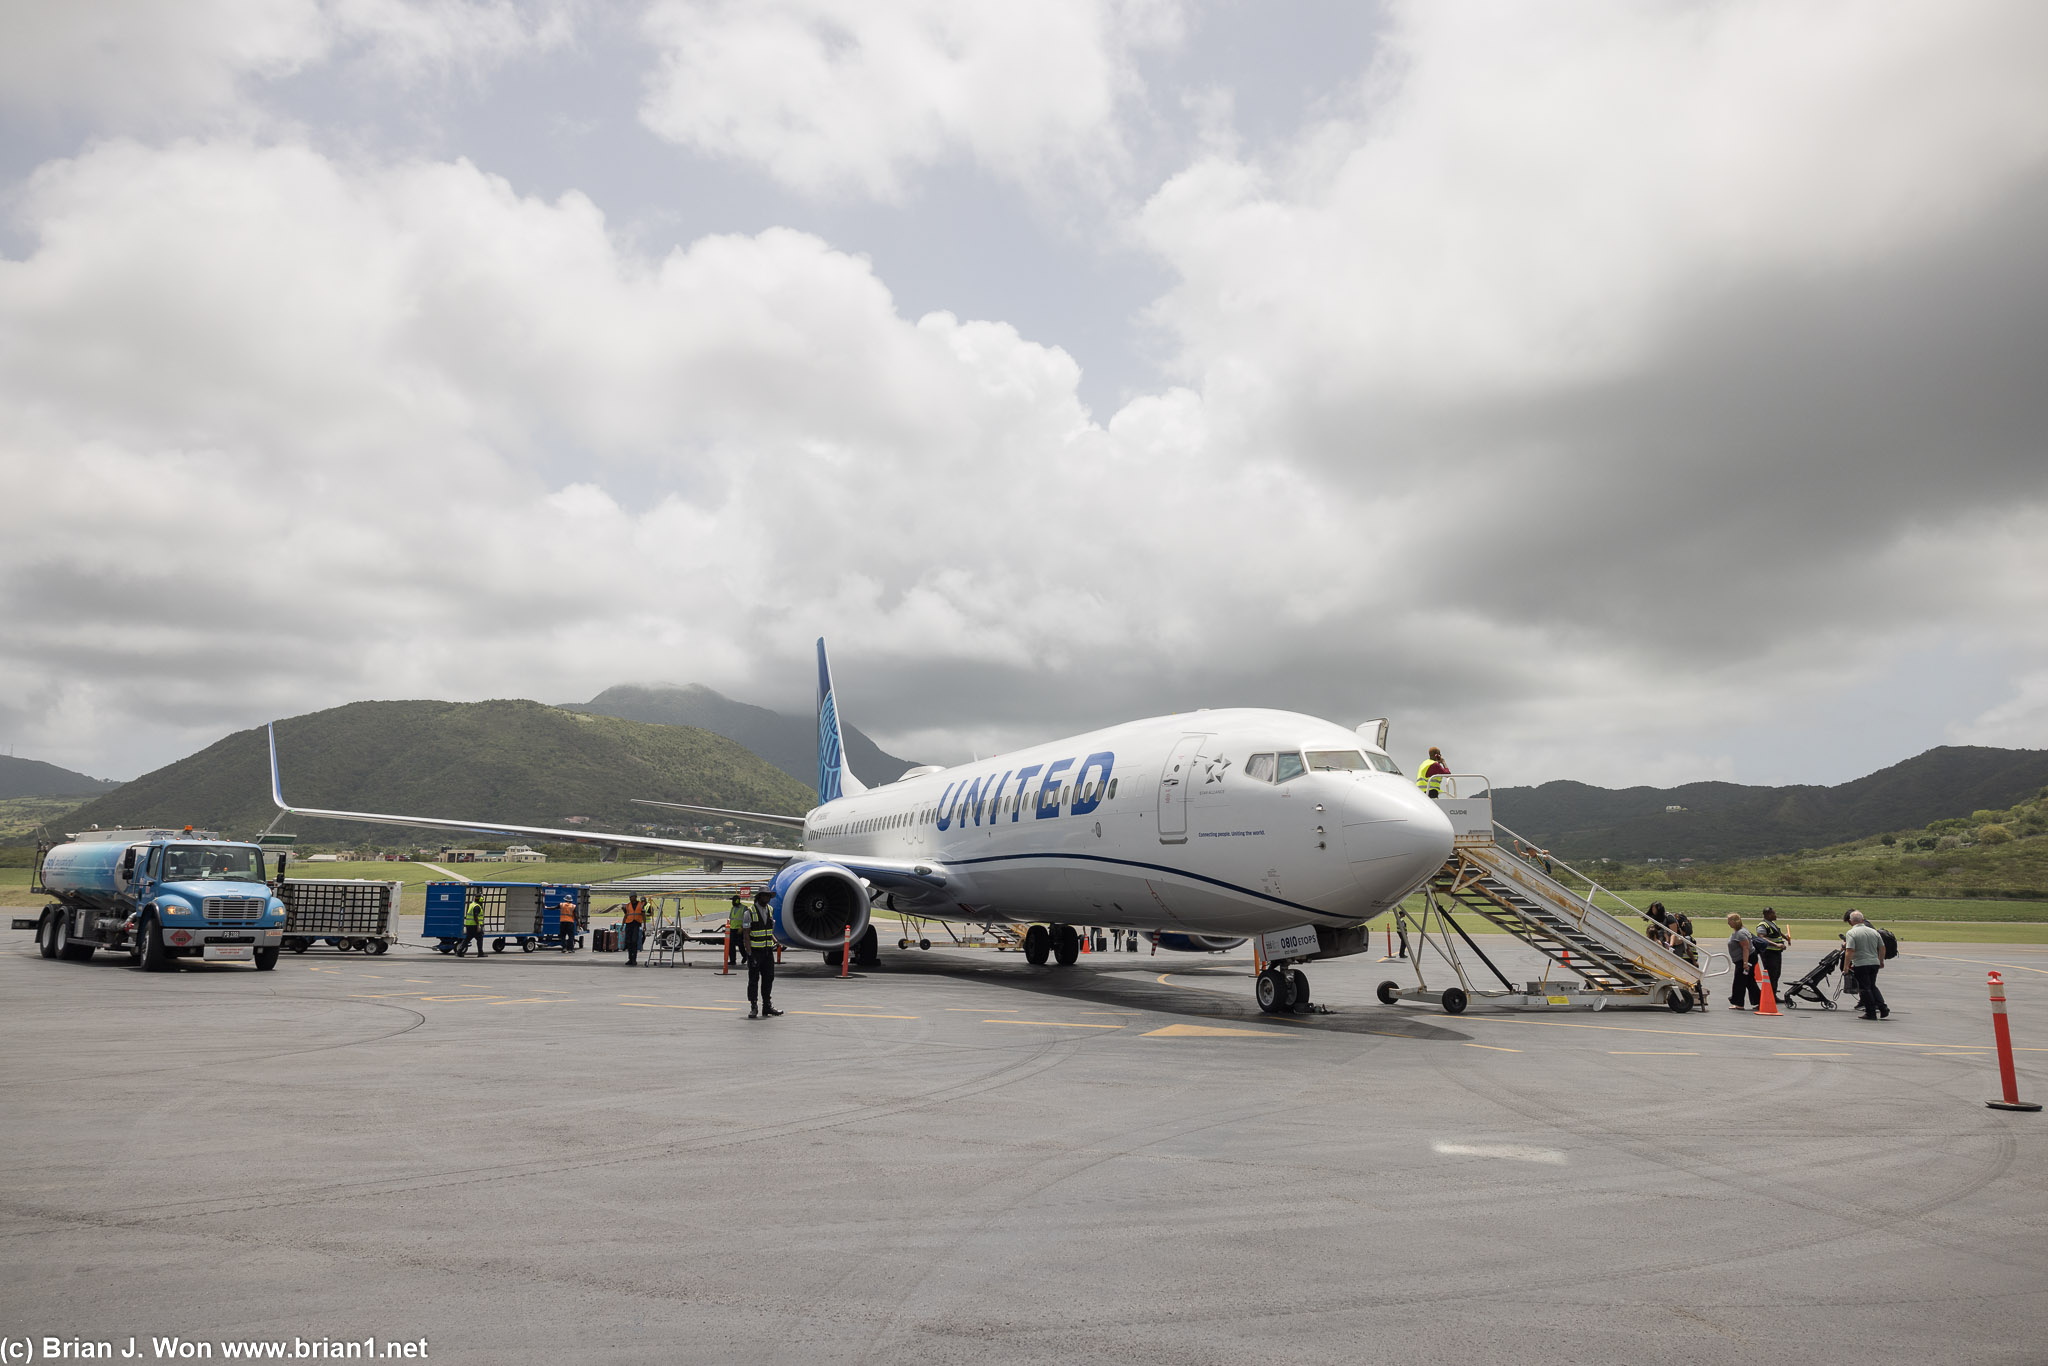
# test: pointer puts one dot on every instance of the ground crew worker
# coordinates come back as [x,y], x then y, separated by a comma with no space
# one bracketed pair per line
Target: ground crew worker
[736,932]
[760,957]
[1430,776]
[472,926]
[631,928]
[1771,943]
[567,924]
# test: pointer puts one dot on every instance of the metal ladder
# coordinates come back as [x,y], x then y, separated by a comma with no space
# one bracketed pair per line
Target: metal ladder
[1613,961]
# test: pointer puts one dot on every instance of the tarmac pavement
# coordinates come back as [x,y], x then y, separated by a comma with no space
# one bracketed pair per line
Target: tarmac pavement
[958,1157]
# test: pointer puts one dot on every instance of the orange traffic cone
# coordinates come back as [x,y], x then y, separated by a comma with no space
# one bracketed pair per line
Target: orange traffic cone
[1766,994]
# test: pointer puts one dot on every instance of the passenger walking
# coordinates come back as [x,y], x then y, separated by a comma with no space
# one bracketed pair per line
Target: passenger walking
[1864,947]
[1430,776]
[631,928]
[1771,942]
[472,926]
[1743,994]
[761,958]
[1660,924]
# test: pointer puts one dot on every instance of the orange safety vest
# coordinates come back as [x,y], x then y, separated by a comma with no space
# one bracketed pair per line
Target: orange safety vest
[636,914]
[566,916]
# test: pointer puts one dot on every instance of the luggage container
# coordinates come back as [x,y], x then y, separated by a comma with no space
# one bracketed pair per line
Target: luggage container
[350,915]
[525,914]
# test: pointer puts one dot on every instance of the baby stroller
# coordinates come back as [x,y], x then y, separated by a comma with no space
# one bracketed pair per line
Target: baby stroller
[1814,985]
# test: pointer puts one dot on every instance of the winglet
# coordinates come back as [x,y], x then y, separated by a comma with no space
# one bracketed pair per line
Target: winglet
[835,780]
[276,788]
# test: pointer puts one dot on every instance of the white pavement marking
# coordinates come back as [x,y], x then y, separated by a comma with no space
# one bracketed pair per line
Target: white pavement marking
[1513,1152]
[445,872]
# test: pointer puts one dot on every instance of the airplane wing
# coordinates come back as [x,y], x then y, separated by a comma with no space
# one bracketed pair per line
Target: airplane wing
[764,817]
[731,853]
[921,879]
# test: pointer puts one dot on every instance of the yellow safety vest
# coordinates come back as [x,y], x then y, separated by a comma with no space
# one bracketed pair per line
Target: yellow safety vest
[1427,781]
[761,928]
[473,915]
[736,919]
[635,913]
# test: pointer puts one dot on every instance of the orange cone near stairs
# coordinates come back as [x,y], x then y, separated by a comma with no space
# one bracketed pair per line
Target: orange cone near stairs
[1766,994]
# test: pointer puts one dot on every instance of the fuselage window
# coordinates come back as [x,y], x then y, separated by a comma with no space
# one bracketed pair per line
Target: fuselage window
[1259,766]
[1289,766]
[1112,789]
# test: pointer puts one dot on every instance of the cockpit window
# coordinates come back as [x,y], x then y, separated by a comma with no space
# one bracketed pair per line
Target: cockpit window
[1382,762]
[1259,766]
[1290,766]
[1335,760]
[212,863]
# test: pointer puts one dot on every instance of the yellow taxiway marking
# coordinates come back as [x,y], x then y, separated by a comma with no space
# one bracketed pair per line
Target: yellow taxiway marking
[459,998]
[1809,1055]
[533,1001]
[1053,1024]
[1645,1053]
[1188,1031]
[663,1005]
[982,1010]
[1973,1053]
[1492,1048]
[853,1015]
[418,981]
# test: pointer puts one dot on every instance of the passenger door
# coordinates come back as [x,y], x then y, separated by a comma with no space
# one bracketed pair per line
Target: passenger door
[1174,789]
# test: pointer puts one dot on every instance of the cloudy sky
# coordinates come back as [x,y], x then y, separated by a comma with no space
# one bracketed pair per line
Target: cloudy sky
[1632,392]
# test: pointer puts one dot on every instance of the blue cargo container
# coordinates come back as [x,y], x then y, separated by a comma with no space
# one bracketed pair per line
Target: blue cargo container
[528,914]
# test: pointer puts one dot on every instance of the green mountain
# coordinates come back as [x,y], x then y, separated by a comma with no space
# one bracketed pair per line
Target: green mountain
[788,742]
[518,762]
[1722,821]
[34,778]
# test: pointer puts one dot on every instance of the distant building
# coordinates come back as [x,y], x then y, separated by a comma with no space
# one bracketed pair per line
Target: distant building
[1674,808]
[519,853]
[575,820]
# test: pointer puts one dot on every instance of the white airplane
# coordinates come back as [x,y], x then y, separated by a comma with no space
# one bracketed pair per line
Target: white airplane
[1215,825]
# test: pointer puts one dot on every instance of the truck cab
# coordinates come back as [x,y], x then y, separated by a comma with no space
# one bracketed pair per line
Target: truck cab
[160,895]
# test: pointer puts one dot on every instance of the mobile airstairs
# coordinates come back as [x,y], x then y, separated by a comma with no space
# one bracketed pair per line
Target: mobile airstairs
[1595,957]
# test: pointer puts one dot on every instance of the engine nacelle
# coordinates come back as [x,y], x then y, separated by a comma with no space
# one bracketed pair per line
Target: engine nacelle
[1194,943]
[816,904]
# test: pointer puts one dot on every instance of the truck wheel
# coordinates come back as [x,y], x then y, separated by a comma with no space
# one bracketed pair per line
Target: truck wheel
[266,959]
[380,946]
[69,949]
[497,946]
[46,936]
[296,945]
[155,958]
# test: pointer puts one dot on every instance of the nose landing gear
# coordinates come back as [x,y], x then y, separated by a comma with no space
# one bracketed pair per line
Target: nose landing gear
[1280,990]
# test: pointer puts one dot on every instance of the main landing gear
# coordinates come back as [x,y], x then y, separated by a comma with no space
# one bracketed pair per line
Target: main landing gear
[1061,943]
[1280,990]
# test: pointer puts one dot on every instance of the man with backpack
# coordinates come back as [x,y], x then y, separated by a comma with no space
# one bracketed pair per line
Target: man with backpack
[1865,946]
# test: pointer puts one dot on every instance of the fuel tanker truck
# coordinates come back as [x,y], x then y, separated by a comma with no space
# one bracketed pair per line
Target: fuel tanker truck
[158,896]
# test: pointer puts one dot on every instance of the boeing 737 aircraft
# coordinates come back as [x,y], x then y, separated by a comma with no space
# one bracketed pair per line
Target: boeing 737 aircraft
[1210,824]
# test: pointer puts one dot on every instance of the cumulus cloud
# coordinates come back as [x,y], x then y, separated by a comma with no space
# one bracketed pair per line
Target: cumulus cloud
[851,96]
[1578,393]
[140,64]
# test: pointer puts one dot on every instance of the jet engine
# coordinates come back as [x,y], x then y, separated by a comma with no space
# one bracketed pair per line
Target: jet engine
[816,904]
[1194,943]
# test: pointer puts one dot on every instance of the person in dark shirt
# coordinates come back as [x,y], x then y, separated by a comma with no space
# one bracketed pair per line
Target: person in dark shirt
[1743,994]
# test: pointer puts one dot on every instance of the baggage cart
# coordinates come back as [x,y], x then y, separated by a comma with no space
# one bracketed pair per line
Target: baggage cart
[527,915]
[348,915]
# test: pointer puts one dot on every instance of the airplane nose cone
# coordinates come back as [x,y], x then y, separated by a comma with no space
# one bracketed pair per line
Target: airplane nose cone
[1394,837]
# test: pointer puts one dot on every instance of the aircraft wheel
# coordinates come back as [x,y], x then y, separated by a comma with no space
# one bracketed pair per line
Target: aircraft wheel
[1037,945]
[46,936]
[1454,1001]
[924,943]
[1300,980]
[1390,992]
[903,943]
[1274,991]
[1680,1000]
[1066,945]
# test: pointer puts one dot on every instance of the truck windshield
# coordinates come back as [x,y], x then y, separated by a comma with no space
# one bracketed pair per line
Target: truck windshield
[212,863]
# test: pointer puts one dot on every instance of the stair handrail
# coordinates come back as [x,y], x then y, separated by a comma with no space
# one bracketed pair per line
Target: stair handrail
[1594,888]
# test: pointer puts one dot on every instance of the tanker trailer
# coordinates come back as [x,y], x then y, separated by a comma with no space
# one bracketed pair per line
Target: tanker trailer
[158,896]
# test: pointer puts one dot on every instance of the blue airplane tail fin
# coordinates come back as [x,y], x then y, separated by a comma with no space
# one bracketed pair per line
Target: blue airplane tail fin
[835,780]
